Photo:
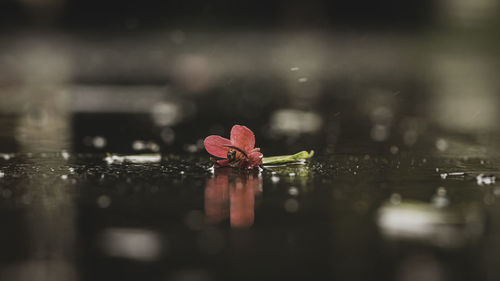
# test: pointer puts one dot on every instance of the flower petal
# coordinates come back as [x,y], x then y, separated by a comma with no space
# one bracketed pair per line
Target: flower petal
[243,138]
[254,160]
[217,146]
[223,163]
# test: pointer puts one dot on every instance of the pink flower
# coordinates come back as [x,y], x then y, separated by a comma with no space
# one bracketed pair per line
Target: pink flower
[238,152]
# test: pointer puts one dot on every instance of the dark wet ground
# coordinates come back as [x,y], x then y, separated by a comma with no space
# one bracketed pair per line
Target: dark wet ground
[355,217]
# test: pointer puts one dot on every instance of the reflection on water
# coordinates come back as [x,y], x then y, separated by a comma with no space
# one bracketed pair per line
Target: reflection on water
[430,223]
[48,226]
[137,244]
[232,194]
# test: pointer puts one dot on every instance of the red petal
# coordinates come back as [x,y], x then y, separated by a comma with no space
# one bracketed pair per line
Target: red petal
[223,163]
[217,146]
[243,138]
[254,160]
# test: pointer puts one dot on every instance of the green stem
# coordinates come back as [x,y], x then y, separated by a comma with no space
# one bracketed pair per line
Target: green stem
[274,160]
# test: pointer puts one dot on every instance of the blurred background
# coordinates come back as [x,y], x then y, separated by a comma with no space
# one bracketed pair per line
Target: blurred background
[396,84]
[74,74]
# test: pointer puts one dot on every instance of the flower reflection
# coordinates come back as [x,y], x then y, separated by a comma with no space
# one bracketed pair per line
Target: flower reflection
[232,194]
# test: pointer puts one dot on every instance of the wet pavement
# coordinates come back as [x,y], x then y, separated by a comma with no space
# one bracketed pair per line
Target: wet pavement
[392,216]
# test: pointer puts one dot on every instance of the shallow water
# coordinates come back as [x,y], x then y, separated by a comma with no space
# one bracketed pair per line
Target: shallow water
[356,217]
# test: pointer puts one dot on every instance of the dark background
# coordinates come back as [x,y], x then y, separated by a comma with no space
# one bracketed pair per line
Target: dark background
[121,15]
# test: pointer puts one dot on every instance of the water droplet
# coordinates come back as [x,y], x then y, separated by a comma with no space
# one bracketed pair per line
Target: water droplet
[302,80]
[64,177]
[295,68]
[211,170]
[483,179]
[2,174]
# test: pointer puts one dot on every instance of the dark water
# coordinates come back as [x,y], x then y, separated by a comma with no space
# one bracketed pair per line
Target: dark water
[339,216]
